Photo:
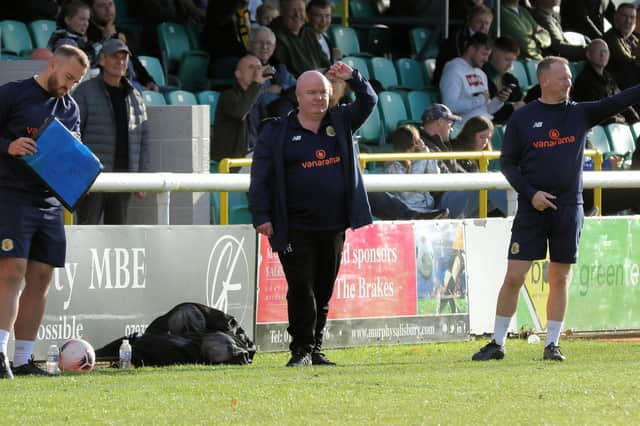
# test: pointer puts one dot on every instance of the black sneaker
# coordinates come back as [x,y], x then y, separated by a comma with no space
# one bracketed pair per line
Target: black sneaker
[491,350]
[5,370]
[299,359]
[318,358]
[552,352]
[30,369]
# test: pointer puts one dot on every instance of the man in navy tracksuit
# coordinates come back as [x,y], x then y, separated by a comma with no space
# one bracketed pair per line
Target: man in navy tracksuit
[32,240]
[306,189]
[542,158]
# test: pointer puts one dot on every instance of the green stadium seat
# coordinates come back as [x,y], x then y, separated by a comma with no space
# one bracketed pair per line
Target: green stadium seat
[418,37]
[181,97]
[152,98]
[532,70]
[41,31]
[392,109]
[635,130]
[363,9]
[411,74]
[239,208]
[209,97]
[496,145]
[599,139]
[192,72]
[361,64]
[15,38]
[383,70]
[520,72]
[174,43]
[370,131]
[430,68]
[418,101]
[345,39]
[154,68]
[621,140]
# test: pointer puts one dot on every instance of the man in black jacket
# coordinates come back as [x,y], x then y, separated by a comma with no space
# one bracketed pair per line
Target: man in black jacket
[235,108]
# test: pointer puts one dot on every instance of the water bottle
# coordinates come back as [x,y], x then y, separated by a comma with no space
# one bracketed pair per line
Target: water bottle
[533,339]
[53,355]
[125,354]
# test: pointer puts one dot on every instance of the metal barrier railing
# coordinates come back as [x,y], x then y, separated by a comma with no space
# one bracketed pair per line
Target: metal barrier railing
[483,158]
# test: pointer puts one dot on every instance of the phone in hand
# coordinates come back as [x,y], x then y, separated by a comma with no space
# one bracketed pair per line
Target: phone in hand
[269,72]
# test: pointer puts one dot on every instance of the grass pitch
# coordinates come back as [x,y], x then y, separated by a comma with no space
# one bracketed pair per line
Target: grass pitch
[399,385]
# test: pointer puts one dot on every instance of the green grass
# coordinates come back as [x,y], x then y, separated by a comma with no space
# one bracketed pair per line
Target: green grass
[403,385]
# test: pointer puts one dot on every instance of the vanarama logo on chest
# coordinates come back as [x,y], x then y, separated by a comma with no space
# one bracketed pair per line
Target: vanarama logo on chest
[321,160]
[554,139]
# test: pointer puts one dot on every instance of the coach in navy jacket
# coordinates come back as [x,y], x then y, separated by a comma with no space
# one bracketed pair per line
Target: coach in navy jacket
[306,189]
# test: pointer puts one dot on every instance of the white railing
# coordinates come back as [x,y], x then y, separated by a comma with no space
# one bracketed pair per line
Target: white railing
[165,183]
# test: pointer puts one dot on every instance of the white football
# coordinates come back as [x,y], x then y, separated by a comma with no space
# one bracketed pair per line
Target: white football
[77,355]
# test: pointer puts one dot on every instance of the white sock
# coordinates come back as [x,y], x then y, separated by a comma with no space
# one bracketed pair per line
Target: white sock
[23,352]
[554,328]
[500,329]
[4,341]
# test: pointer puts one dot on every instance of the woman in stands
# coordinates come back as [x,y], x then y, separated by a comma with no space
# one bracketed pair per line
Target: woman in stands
[474,136]
[72,29]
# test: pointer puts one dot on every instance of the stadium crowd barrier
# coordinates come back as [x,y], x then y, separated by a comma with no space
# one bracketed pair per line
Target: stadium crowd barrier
[439,183]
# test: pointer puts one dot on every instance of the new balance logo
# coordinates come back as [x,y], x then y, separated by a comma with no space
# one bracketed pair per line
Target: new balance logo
[537,124]
[296,138]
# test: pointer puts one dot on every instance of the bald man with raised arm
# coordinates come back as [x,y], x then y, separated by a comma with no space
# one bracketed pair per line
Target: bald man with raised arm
[306,190]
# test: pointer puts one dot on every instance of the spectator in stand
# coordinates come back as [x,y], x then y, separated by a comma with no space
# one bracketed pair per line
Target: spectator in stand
[41,54]
[595,82]
[103,27]
[478,21]
[459,10]
[464,86]
[505,51]
[474,136]
[544,14]
[231,125]
[113,123]
[297,45]
[73,25]
[226,36]
[624,47]
[420,205]
[437,121]
[278,93]
[586,16]
[265,14]
[517,22]
[319,13]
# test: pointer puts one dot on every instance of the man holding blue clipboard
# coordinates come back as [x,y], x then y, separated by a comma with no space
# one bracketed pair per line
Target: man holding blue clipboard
[32,238]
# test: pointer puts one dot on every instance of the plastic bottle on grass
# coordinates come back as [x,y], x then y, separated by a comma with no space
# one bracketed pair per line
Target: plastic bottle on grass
[125,354]
[53,356]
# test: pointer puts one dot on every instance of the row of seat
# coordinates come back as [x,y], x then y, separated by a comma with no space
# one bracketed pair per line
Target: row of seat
[375,40]
[17,39]
[184,98]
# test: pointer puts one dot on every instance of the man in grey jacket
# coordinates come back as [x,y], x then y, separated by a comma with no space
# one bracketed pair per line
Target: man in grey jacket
[113,122]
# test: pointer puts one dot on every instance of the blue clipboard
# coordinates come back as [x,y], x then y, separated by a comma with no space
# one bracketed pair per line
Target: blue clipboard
[63,163]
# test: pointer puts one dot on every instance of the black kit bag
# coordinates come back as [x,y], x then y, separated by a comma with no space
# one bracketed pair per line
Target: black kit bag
[190,333]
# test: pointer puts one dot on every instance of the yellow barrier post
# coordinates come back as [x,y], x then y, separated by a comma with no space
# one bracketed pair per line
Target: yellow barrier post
[68,217]
[224,196]
[345,13]
[597,192]
[483,199]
